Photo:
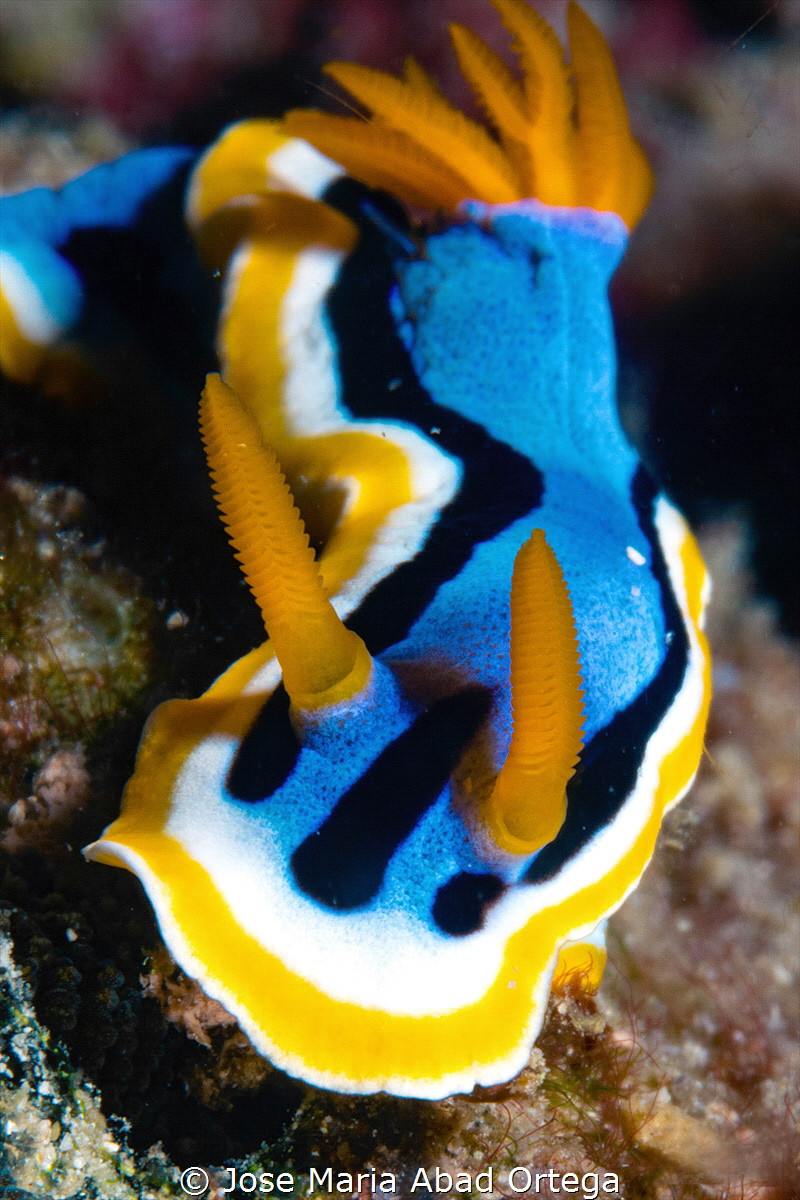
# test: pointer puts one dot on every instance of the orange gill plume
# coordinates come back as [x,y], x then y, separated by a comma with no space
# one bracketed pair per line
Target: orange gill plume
[528,804]
[322,661]
[563,131]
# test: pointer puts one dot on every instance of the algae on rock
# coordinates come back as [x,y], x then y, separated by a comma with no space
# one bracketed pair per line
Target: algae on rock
[55,1140]
[74,651]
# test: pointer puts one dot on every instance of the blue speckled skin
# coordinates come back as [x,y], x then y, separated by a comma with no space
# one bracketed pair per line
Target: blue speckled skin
[506,321]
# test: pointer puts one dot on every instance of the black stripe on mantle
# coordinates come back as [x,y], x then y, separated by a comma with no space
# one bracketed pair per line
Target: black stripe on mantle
[343,863]
[610,763]
[499,485]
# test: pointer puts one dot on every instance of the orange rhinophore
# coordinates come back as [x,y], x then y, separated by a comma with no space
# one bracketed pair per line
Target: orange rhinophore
[528,803]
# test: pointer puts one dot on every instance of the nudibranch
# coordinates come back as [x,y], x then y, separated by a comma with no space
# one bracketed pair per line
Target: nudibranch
[381,836]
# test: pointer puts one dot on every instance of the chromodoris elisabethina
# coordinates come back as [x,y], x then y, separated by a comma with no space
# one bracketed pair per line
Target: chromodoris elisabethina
[377,836]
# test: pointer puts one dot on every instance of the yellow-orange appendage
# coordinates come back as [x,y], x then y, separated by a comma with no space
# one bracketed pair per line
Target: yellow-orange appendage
[563,129]
[528,805]
[322,661]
